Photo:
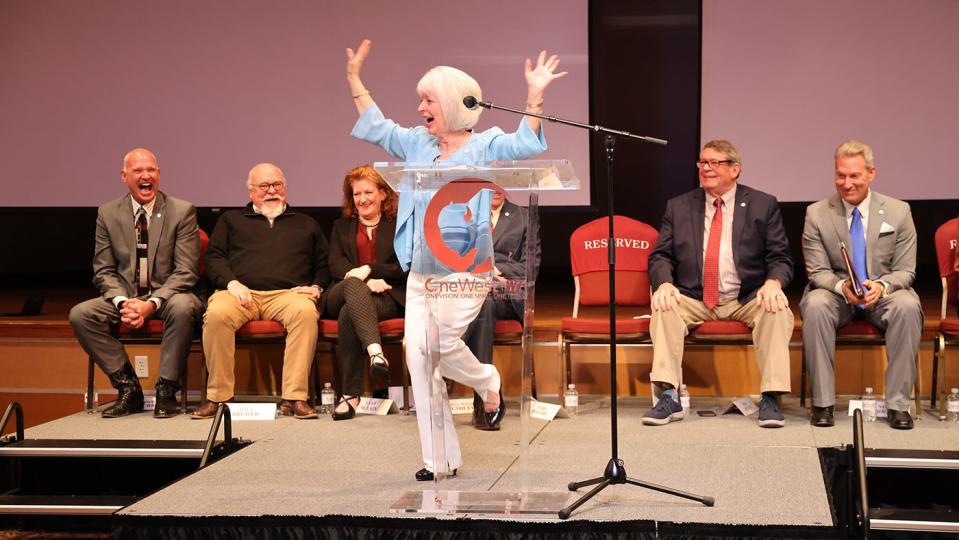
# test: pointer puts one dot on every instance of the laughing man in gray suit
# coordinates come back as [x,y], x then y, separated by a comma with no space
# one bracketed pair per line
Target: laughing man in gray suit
[155,282]
[880,239]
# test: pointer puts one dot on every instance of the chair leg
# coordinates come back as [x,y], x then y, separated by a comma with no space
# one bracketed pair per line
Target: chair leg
[802,381]
[90,403]
[315,384]
[406,379]
[918,386]
[934,388]
[532,374]
[939,357]
[337,379]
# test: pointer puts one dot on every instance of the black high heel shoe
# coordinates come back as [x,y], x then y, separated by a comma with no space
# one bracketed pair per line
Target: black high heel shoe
[426,475]
[379,367]
[350,411]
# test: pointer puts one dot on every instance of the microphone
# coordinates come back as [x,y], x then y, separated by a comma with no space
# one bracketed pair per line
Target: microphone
[471,103]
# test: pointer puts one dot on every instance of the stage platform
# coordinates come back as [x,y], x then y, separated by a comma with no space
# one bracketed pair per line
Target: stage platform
[319,478]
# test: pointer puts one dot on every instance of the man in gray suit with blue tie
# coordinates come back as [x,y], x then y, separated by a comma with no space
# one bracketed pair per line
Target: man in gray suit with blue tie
[145,264]
[880,239]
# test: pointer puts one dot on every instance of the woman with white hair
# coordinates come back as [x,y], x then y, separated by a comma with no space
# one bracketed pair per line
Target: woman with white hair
[446,138]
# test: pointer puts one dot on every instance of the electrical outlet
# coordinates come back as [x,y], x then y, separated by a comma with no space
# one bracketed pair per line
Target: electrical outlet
[142,366]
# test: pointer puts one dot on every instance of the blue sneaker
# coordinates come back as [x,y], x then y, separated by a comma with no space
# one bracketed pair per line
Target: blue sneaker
[769,414]
[665,411]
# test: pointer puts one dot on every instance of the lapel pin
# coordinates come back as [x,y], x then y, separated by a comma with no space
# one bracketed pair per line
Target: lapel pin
[882,212]
[507,214]
[742,204]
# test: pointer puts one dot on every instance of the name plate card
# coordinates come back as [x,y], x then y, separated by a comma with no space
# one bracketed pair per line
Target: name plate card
[744,405]
[880,407]
[462,406]
[252,411]
[149,403]
[543,411]
[377,406]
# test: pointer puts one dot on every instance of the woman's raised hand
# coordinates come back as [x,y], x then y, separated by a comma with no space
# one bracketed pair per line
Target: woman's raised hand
[540,76]
[354,60]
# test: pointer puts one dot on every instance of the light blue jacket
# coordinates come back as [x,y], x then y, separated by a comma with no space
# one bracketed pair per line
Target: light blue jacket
[416,145]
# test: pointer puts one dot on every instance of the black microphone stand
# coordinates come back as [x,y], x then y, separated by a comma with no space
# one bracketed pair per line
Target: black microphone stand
[615,472]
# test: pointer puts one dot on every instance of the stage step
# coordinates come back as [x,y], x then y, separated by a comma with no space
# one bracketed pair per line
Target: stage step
[77,484]
[913,490]
[102,448]
[912,459]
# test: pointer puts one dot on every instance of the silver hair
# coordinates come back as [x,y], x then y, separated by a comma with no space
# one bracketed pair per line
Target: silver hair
[853,148]
[450,86]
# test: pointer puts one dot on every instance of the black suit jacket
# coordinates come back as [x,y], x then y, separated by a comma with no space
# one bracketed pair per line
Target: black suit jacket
[509,242]
[343,256]
[760,247]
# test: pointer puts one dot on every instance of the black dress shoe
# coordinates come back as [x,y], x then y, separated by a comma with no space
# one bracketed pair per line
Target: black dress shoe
[129,394]
[426,475]
[494,418]
[822,416]
[479,415]
[166,404]
[899,419]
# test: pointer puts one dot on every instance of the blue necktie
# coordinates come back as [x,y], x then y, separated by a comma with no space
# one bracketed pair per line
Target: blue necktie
[858,239]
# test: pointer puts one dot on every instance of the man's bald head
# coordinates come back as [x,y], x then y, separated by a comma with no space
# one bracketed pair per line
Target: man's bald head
[267,186]
[141,174]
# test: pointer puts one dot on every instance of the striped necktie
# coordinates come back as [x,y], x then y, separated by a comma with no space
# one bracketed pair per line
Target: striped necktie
[142,277]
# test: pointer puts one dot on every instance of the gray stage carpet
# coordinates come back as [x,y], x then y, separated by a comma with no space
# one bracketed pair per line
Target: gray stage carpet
[360,467]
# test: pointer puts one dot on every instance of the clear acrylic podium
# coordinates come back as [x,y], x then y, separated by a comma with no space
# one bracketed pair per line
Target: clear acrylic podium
[452,250]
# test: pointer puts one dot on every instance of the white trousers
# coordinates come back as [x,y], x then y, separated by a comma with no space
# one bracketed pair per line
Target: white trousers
[450,303]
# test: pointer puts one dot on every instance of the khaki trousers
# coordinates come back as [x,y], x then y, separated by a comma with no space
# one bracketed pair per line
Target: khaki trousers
[771,335]
[224,315]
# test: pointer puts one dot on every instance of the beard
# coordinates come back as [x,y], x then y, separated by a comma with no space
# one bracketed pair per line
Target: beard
[273,209]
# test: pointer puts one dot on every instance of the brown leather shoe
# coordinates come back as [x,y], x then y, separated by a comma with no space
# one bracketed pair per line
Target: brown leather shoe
[285,408]
[302,410]
[207,410]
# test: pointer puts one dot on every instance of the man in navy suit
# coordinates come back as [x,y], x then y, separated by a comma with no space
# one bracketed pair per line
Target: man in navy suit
[509,224]
[722,254]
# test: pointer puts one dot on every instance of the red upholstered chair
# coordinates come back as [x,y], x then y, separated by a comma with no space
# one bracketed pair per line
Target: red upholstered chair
[589,261]
[391,332]
[946,240]
[150,334]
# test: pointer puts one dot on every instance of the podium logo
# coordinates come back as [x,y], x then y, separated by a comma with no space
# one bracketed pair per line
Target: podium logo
[456,192]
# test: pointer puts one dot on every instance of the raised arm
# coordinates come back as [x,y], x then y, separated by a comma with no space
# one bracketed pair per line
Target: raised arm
[354,63]
[537,79]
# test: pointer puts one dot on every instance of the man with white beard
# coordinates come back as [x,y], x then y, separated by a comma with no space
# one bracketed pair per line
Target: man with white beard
[267,262]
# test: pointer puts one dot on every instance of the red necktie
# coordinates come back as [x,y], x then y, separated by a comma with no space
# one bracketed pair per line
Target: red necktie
[711,262]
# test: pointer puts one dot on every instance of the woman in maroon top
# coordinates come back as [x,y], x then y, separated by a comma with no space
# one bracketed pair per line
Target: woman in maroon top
[368,283]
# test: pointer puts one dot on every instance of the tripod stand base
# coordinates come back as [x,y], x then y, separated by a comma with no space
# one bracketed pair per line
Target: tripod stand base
[615,473]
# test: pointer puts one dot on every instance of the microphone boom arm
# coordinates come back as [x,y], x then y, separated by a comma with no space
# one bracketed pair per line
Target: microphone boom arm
[597,128]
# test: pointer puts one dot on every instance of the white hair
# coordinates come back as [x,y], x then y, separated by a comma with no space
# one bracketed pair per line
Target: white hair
[450,86]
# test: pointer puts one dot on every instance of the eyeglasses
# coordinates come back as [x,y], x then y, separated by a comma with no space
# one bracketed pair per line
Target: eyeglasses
[264,187]
[713,163]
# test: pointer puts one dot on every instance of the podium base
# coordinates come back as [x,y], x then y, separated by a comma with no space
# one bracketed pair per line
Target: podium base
[480,502]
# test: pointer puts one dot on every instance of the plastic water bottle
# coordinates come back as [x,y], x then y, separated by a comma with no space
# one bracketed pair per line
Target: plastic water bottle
[326,399]
[869,406]
[571,400]
[952,406]
[684,397]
